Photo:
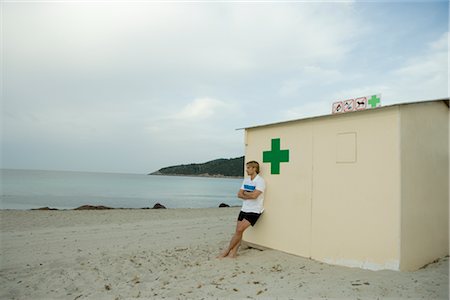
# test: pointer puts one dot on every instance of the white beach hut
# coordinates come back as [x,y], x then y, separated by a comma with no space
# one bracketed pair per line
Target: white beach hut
[366,189]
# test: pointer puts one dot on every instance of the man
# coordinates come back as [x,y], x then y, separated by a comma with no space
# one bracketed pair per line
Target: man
[251,192]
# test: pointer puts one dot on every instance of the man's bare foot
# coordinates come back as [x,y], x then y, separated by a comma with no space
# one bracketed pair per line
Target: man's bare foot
[222,255]
[232,253]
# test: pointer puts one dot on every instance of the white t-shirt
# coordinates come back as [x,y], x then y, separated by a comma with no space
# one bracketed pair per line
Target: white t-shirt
[254,205]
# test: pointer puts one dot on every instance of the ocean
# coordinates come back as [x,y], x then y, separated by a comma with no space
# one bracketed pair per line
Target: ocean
[28,189]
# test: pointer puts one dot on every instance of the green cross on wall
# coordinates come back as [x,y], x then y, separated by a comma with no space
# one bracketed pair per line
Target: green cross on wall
[374,101]
[275,156]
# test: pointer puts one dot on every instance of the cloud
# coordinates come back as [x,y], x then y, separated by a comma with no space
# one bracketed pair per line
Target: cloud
[198,119]
[199,109]
[309,76]
[152,37]
[440,44]
[425,66]
[309,109]
[202,129]
[423,77]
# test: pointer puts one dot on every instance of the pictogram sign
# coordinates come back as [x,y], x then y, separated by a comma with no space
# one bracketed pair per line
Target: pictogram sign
[338,107]
[374,101]
[360,103]
[349,105]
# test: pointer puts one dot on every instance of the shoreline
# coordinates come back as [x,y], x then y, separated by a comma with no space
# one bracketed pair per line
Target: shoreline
[107,208]
[206,175]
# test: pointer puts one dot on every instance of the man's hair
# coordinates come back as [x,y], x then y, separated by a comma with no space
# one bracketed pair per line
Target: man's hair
[254,164]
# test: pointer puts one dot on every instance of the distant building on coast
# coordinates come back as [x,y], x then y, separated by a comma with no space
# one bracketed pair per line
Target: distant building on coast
[366,189]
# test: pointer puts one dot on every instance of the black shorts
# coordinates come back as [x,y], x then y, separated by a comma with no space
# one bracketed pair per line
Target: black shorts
[249,216]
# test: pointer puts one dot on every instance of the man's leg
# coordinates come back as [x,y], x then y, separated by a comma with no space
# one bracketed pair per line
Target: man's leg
[241,226]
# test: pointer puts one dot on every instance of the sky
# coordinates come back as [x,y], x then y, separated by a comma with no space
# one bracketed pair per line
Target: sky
[131,87]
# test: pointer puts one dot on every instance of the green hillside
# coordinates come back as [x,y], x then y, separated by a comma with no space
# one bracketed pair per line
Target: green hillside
[219,167]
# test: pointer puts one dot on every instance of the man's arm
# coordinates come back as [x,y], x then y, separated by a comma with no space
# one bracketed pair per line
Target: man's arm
[246,195]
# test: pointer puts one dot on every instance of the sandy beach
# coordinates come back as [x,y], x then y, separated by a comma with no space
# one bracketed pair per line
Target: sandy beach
[157,254]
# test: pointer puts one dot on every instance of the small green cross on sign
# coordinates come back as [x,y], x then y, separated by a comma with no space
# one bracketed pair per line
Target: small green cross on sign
[275,156]
[374,101]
